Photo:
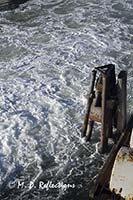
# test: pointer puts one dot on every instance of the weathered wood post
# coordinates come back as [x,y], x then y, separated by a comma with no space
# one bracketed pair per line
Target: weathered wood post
[90,100]
[89,133]
[122,99]
[104,137]
[110,123]
[104,100]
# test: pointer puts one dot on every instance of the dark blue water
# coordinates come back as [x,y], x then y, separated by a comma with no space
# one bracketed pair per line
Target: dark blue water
[47,51]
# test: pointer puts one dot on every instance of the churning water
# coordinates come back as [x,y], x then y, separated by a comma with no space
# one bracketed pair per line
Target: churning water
[47,51]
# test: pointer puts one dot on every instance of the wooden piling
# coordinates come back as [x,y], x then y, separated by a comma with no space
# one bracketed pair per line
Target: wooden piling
[104,137]
[110,123]
[89,133]
[109,105]
[90,100]
[122,99]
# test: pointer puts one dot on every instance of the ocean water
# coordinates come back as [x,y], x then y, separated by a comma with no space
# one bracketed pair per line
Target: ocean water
[47,51]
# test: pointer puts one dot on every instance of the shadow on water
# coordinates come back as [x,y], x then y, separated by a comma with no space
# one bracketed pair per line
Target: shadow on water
[10,4]
[5,188]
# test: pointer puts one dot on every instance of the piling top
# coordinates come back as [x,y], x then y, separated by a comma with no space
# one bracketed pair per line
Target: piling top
[105,70]
[122,74]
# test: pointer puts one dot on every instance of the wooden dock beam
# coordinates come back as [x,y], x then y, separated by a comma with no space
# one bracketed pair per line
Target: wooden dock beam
[106,104]
[90,100]
[104,137]
[122,101]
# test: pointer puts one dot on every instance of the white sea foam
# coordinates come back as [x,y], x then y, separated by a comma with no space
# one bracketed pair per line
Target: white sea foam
[47,51]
